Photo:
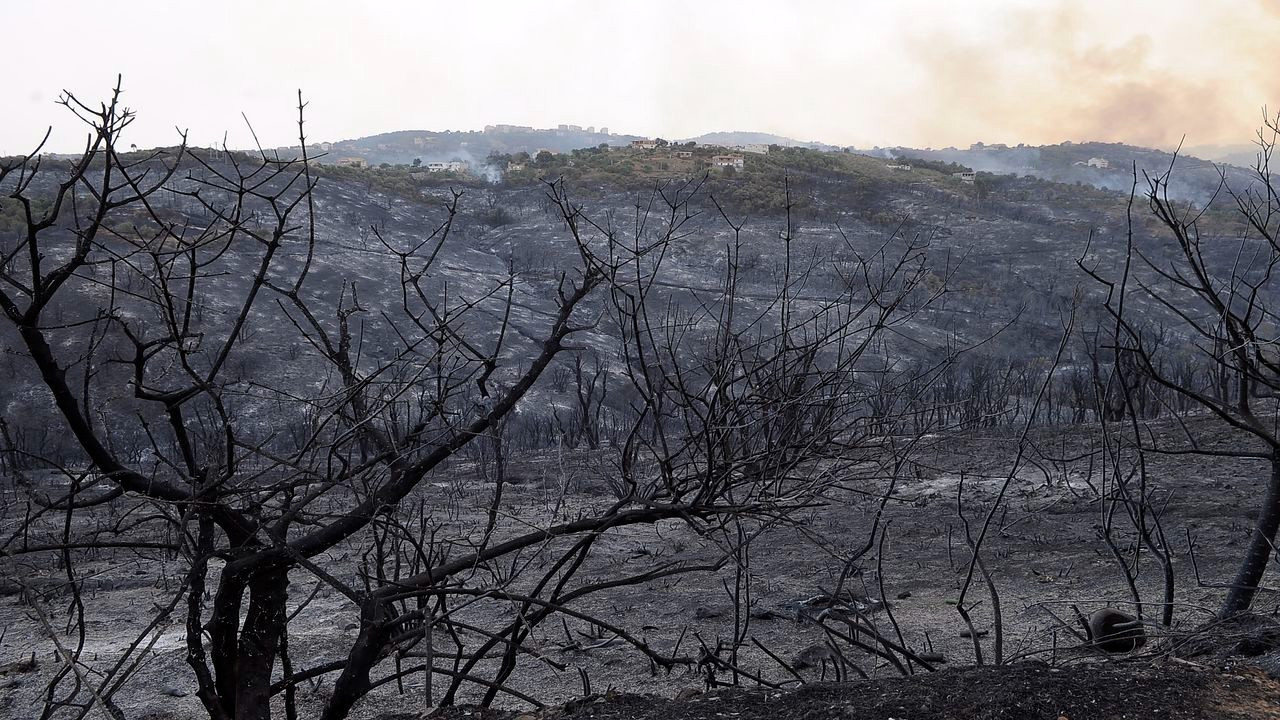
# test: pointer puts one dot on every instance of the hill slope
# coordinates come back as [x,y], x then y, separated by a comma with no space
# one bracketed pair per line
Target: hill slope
[1104,165]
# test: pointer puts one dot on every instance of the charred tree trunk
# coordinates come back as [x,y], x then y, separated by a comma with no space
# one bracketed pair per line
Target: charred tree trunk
[353,683]
[243,657]
[1261,542]
[259,641]
[222,635]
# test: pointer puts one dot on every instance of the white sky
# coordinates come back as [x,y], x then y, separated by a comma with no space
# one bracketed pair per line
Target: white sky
[863,72]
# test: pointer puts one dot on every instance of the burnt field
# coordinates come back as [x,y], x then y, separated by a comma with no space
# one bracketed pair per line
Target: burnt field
[1046,552]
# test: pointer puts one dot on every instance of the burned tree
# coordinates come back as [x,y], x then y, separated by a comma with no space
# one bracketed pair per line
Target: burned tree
[154,296]
[1217,280]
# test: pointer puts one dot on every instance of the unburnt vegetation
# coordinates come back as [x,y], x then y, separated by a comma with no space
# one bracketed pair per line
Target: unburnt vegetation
[342,441]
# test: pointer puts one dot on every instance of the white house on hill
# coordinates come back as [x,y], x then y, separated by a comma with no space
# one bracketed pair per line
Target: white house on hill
[734,161]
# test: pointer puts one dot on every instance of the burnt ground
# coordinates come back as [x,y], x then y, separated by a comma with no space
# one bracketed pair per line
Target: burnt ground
[1024,691]
[1045,552]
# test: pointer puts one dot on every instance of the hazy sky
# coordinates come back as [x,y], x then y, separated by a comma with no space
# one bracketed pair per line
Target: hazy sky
[881,72]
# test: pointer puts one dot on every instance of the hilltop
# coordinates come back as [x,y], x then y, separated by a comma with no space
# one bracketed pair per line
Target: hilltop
[405,146]
[489,152]
[1241,154]
[739,137]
